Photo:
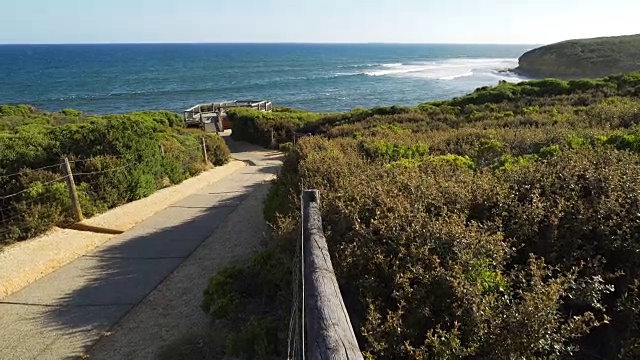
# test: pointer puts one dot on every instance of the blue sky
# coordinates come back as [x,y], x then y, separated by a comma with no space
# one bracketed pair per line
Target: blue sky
[411,21]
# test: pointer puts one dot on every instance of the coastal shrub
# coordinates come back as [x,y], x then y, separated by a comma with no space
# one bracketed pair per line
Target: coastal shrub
[390,151]
[549,151]
[511,261]
[17,110]
[218,152]
[513,236]
[223,294]
[549,87]
[536,90]
[503,92]
[256,126]
[163,118]
[251,302]
[457,160]
[578,142]
[115,158]
[71,112]
[286,147]
[257,340]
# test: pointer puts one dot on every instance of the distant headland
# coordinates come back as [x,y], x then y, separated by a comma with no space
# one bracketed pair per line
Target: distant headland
[584,58]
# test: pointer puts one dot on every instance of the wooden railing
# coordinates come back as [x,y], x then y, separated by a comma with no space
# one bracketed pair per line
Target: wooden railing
[197,113]
[329,333]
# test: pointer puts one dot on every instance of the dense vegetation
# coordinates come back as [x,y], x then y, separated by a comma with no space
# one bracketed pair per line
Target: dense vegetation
[500,225]
[257,127]
[116,159]
[248,306]
[583,58]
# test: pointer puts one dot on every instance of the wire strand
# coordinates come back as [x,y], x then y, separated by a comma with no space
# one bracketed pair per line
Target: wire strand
[15,206]
[302,322]
[296,340]
[11,218]
[28,171]
[29,188]
[295,298]
[96,158]
[106,171]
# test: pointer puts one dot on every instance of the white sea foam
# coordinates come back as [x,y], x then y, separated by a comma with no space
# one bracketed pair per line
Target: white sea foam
[357,66]
[468,73]
[444,70]
[399,70]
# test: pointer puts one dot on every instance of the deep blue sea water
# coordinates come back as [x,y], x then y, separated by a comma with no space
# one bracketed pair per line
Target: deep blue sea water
[317,77]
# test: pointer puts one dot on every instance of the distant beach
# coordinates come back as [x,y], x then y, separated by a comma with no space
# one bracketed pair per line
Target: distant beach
[316,77]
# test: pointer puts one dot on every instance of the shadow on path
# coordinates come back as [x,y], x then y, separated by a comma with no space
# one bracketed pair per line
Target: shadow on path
[68,310]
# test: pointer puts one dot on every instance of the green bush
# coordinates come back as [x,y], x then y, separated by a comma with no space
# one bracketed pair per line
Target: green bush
[17,110]
[256,126]
[257,340]
[217,150]
[457,160]
[117,159]
[501,224]
[511,261]
[251,301]
[223,296]
[390,151]
[286,147]
[71,112]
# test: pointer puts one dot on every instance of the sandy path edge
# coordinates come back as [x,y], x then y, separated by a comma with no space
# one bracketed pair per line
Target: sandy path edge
[25,262]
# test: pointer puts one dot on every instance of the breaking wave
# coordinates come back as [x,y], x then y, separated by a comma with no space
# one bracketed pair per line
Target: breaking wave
[449,69]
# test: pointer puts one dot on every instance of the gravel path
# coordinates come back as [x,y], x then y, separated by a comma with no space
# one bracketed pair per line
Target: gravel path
[141,290]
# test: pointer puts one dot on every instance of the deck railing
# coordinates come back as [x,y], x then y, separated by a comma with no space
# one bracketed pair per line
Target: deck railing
[198,113]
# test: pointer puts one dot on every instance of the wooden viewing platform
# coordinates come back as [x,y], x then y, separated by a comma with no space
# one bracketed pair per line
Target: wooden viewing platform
[201,114]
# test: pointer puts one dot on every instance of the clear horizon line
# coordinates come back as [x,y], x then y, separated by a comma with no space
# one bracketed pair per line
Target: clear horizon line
[267,43]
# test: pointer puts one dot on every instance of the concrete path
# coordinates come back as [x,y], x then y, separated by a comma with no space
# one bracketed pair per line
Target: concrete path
[148,281]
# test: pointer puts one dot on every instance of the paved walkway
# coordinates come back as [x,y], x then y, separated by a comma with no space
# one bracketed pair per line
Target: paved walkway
[141,290]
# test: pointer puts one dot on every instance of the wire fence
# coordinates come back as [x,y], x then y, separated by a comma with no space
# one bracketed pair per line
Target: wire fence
[26,171]
[296,338]
[292,137]
[22,203]
[31,188]
[295,323]
[24,195]
[105,171]
[79,161]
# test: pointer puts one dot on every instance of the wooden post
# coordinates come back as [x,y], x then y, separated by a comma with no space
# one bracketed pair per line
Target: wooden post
[328,328]
[204,150]
[219,125]
[273,140]
[71,186]
[294,139]
[162,150]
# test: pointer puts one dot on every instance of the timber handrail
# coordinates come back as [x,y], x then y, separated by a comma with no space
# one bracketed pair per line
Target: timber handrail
[329,333]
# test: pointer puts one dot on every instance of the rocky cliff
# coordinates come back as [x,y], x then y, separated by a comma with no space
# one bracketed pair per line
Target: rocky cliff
[584,58]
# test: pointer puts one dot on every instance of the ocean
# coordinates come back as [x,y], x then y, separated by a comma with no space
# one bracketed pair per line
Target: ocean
[117,78]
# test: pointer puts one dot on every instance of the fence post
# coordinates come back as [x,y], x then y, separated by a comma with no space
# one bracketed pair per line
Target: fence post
[328,328]
[71,186]
[204,151]
[273,140]
[294,139]
[162,150]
